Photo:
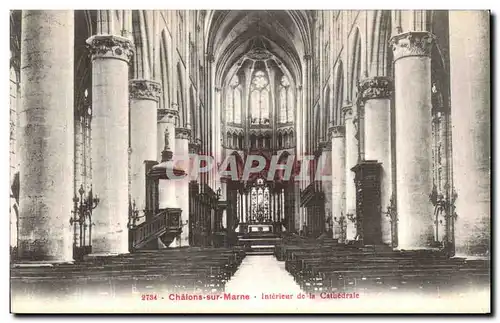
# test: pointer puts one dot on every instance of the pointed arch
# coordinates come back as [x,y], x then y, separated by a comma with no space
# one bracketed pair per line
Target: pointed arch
[180,96]
[328,113]
[239,164]
[194,122]
[292,139]
[165,71]
[381,55]
[339,94]
[355,66]
[280,139]
[260,97]
[282,160]
[240,141]
[253,140]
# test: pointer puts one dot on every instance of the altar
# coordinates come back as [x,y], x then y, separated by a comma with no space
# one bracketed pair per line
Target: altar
[260,228]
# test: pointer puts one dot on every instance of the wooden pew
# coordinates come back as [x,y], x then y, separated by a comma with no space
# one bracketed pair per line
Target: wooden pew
[170,270]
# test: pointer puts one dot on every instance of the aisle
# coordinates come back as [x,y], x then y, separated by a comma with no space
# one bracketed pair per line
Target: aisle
[264,278]
[262,274]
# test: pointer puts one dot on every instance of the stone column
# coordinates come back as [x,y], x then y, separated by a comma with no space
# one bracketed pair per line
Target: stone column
[144,97]
[338,172]
[471,122]
[248,215]
[351,159]
[244,196]
[182,136]
[282,194]
[298,212]
[46,136]
[376,95]
[325,177]
[412,85]
[110,142]
[166,195]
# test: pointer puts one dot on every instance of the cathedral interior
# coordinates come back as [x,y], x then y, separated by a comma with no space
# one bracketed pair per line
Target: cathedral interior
[142,143]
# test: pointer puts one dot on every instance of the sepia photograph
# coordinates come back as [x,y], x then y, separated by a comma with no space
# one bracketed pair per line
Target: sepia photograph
[250,161]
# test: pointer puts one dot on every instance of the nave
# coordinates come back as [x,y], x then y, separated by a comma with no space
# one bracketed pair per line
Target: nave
[367,113]
[305,275]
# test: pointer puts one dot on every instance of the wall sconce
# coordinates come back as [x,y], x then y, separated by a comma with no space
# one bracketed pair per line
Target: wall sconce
[351,217]
[82,211]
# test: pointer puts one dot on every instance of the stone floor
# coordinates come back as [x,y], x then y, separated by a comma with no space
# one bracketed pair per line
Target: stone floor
[262,274]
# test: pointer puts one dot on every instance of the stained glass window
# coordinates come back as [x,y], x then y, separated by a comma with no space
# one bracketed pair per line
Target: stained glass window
[233,101]
[259,98]
[286,101]
[260,203]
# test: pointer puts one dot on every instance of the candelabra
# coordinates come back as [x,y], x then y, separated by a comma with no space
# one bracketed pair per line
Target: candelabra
[342,225]
[83,205]
[133,216]
[392,214]
[444,206]
[353,218]
[182,224]
[328,223]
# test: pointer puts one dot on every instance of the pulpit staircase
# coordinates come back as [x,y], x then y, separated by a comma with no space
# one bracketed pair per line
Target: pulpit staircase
[157,232]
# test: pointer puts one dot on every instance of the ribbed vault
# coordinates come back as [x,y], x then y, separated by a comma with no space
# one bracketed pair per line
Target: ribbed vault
[232,33]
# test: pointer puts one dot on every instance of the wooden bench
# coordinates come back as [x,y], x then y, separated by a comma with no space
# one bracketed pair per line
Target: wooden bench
[170,270]
[326,266]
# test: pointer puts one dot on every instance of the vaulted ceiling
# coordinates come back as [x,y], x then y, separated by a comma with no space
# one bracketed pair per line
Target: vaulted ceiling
[286,34]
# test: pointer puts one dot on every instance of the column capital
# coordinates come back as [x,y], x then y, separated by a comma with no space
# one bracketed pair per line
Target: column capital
[412,43]
[377,87]
[194,147]
[167,115]
[110,46]
[348,111]
[337,131]
[144,90]
[182,133]
[325,145]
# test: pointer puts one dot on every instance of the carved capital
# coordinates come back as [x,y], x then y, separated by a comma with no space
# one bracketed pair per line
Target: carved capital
[307,57]
[347,111]
[194,148]
[160,113]
[413,43]
[168,115]
[378,87]
[182,133]
[110,46]
[325,145]
[337,131]
[144,90]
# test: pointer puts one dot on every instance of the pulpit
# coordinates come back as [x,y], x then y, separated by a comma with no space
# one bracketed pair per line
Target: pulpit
[368,202]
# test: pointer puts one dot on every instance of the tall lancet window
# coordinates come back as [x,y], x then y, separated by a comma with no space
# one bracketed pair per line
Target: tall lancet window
[260,98]
[286,101]
[233,101]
